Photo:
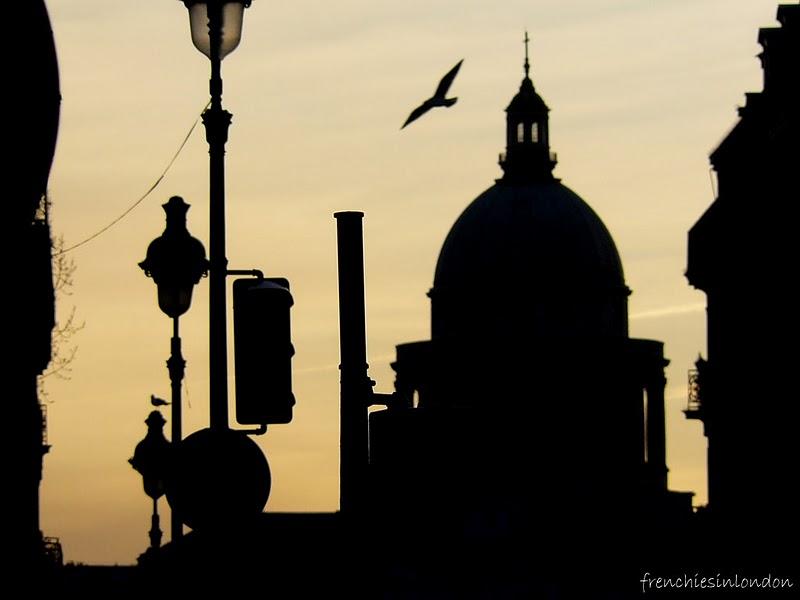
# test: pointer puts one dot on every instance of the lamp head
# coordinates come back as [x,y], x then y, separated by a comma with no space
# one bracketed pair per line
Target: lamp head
[216,24]
[175,260]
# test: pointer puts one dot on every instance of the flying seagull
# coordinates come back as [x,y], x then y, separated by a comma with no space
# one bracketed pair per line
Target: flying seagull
[155,401]
[438,98]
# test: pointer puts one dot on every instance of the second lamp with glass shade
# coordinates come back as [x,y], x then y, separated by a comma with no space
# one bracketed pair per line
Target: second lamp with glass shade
[176,261]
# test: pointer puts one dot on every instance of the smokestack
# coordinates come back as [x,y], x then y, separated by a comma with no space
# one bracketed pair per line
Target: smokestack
[355,383]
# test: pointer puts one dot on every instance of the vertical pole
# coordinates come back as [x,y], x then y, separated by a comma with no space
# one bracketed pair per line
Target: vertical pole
[216,121]
[355,384]
[176,366]
[155,529]
[656,430]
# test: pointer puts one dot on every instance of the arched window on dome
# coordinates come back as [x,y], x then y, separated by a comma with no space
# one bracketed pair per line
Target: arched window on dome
[535,133]
[520,132]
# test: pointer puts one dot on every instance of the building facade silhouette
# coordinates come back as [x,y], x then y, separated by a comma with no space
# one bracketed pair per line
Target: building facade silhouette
[743,254]
[29,282]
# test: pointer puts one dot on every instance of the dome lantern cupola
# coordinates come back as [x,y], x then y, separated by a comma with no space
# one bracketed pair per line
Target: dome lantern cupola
[527,156]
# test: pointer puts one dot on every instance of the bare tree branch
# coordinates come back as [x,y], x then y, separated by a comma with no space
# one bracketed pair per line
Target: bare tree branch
[63,349]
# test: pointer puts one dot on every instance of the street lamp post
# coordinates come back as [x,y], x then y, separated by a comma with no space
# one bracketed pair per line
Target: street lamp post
[219,473]
[176,261]
[151,459]
[216,28]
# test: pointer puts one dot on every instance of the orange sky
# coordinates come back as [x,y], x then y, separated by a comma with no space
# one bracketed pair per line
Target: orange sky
[640,92]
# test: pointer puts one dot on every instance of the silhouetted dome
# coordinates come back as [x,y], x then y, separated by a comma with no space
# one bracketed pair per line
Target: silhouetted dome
[537,232]
[536,255]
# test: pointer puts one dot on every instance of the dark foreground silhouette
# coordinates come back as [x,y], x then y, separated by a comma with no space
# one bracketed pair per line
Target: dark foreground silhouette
[522,452]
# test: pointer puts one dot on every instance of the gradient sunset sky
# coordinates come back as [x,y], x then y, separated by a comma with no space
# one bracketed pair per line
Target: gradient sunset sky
[640,92]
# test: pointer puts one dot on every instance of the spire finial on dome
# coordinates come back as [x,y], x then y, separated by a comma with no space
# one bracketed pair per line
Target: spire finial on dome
[527,64]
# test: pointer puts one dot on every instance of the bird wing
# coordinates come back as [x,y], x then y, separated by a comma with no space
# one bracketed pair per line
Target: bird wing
[447,81]
[418,112]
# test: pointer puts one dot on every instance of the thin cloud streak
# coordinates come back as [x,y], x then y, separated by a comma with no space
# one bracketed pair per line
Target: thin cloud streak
[668,311]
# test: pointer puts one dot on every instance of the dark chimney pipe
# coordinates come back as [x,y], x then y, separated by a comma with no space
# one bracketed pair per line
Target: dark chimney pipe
[355,383]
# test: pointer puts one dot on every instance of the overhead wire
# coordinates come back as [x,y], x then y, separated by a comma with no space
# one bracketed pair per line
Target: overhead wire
[150,190]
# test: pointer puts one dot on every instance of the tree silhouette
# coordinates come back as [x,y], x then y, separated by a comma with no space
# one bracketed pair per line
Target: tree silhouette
[63,349]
